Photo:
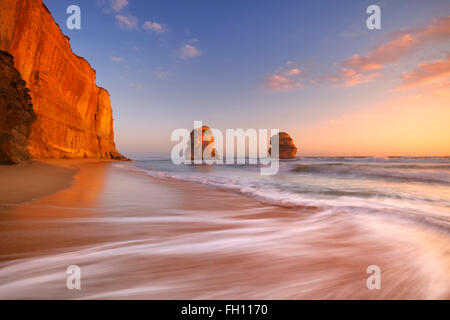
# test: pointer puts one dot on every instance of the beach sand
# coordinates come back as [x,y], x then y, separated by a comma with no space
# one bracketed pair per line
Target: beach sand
[31,180]
[137,237]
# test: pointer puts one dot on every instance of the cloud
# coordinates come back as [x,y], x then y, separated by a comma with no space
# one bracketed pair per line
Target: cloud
[384,54]
[118,5]
[111,6]
[360,69]
[362,63]
[400,45]
[127,21]
[292,76]
[188,51]
[285,78]
[444,92]
[117,59]
[276,82]
[154,27]
[293,72]
[427,74]
[161,75]
[350,77]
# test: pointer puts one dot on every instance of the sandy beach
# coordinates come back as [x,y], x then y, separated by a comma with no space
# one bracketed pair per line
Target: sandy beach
[32,180]
[278,150]
[138,237]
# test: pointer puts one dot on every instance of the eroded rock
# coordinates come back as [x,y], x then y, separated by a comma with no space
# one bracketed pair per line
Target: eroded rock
[287,148]
[201,144]
[74,116]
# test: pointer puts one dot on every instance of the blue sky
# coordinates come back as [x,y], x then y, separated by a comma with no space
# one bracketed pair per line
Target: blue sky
[167,63]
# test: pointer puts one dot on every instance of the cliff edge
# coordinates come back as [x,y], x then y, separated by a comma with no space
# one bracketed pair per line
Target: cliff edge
[73,115]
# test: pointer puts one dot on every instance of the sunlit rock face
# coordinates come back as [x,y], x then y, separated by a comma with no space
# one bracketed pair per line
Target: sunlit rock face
[74,116]
[16,113]
[287,148]
[201,144]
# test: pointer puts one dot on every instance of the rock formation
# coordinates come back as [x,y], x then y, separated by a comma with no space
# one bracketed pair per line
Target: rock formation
[16,113]
[286,146]
[202,140]
[74,116]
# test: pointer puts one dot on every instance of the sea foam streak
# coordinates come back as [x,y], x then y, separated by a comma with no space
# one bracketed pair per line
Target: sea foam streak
[155,239]
[413,188]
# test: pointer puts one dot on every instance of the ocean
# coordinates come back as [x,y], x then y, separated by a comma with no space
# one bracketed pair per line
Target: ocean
[149,229]
[414,188]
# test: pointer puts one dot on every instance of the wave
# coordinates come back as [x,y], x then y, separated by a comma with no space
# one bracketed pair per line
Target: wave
[407,173]
[358,200]
[271,195]
[430,159]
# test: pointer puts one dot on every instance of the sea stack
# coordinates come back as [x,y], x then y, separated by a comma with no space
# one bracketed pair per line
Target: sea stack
[287,148]
[201,139]
[73,115]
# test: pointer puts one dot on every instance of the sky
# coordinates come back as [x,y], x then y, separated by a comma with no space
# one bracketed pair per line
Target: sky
[310,68]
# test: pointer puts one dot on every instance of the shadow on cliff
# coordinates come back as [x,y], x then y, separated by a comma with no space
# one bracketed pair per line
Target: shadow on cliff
[16,113]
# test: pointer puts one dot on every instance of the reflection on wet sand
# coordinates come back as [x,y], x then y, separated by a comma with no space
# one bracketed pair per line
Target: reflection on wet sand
[34,227]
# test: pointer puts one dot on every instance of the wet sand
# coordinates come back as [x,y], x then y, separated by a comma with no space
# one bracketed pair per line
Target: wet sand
[31,180]
[136,237]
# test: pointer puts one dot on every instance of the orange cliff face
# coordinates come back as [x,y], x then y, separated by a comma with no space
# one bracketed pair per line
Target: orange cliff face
[74,116]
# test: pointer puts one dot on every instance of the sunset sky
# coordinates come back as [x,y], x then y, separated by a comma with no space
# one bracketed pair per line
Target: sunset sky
[310,68]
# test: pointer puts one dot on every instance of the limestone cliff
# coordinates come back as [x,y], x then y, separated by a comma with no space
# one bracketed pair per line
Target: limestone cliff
[201,144]
[74,116]
[16,113]
[287,148]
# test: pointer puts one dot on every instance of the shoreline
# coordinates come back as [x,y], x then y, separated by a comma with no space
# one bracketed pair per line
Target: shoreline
[139,237]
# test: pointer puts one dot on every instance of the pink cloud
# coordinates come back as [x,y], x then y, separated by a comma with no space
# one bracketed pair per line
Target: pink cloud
[280,83]
[154,27]
[118,5]
[293,72]
[401,44]
[359,69]
[127,21]
[285,78]
[189,51]
[386,53]
[361,63]
[427,74]
[350,77]
[438,30]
